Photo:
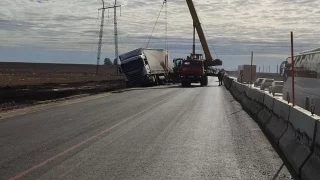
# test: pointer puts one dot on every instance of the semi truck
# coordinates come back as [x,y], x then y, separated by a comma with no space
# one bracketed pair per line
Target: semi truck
[244,73]
[145,67]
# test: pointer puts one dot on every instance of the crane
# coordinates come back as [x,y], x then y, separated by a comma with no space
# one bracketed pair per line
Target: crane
[209,61]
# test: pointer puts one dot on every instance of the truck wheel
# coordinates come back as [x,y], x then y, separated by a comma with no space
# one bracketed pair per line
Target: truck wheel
[128,84]
[202,82]
[205,80]
[185,84]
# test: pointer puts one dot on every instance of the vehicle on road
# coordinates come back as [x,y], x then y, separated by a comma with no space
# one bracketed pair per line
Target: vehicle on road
[276,87]
[192,71]
[244,73]
[258,82]
[306,80]
[266,83]
[146,66]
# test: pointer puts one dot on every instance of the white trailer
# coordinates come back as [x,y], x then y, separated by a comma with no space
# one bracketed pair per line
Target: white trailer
[244,73]
[146,66]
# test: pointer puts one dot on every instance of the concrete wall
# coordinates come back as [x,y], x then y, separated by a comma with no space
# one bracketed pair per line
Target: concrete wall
[294,130]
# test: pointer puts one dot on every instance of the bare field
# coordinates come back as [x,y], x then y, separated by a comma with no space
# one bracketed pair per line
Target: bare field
[21,74]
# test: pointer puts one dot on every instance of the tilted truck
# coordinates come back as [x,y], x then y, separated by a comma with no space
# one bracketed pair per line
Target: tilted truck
[144,66]
[244,73]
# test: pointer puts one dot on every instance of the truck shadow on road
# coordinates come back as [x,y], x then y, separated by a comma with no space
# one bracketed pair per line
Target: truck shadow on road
[163,87]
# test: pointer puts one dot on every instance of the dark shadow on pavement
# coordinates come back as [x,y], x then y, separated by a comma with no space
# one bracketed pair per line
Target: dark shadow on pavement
[148,88]
[213,86]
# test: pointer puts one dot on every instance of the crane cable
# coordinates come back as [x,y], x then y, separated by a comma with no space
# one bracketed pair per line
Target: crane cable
[209,37]
[164,2]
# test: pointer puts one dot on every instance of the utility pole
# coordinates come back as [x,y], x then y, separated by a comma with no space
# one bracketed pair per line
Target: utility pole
[100,36]
[251,68]
[116,50]
[292,70]
[166,45]
[194,42]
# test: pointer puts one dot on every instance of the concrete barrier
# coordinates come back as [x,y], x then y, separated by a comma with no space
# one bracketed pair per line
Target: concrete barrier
[295,131]
[311,169]
[268,102]
[264,116]
[241,87]
[276,127]
[249,93]
[255,108]
[246,102]
[227,81]
[296,143]
[233,89]
[281,109]
[259,96]
[255,95]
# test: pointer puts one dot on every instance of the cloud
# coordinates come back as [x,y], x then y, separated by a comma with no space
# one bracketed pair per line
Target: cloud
[233,26]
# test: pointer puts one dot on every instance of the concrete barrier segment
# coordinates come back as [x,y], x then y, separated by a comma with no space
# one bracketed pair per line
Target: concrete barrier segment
[298,141]
[263,117]
[255,95]
[259,96]
[281,108]
[255,108]
[311,169]
[268,102]
[295,146]
[250,92]
[276,127]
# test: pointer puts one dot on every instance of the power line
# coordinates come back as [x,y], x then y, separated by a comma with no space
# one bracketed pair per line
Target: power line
[164,2]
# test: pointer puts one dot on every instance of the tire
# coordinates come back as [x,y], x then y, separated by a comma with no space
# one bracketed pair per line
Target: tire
[205,80]
[128,84]
[202,81]
[184,84]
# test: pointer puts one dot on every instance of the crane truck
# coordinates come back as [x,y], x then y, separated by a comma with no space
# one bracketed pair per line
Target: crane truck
[196,69]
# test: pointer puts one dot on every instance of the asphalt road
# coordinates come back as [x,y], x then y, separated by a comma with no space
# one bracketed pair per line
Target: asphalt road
[165,132]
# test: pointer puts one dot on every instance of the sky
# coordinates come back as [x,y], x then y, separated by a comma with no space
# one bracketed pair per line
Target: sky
[67,31]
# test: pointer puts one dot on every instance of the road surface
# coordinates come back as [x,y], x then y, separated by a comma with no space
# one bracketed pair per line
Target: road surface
[165,132]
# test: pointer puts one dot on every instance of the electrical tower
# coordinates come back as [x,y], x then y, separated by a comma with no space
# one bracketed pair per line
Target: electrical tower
[116,49]
[100,36]
[115,32]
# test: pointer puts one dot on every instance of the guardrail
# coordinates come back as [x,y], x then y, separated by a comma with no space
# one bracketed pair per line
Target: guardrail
[295,131]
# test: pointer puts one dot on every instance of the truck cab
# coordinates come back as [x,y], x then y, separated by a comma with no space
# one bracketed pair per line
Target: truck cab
[192,71]
[136,70]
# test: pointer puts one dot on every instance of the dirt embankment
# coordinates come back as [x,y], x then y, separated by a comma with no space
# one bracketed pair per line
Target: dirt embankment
[24,84]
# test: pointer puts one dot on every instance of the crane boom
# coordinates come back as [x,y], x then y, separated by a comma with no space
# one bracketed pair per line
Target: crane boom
[197,24]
